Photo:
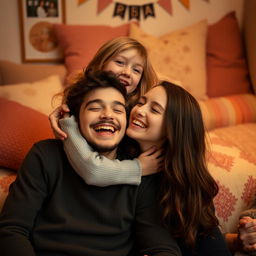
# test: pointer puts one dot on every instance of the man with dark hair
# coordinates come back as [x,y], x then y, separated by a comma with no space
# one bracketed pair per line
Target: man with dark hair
[51,211]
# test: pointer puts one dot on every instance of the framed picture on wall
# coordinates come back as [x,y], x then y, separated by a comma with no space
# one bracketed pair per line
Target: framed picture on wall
[38,42]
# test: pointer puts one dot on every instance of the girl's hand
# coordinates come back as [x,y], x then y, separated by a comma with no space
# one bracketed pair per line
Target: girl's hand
[60,112]
[151,161]
[247,233]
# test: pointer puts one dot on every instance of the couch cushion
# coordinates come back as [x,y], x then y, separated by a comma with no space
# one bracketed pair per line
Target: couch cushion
[227,111]
[81,42]
[13,73]
[227,72]
[37,95]
[232,163]
[7,176]
[20,128]
[178,56]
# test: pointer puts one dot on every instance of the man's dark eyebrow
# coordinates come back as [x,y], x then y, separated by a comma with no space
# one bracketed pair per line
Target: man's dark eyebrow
[116,102]
[93,101]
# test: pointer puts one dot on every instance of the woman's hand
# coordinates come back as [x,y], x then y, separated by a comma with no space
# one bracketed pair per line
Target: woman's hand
[60,112]
[247,233]
[151,161]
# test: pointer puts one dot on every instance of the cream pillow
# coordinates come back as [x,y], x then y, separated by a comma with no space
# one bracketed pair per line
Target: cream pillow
[179,56]
[234,169]
[37,95]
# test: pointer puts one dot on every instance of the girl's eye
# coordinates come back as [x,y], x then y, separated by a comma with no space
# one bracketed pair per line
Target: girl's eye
[119,62]
[138,71]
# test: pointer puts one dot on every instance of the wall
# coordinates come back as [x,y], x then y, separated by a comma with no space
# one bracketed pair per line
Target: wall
[86,13]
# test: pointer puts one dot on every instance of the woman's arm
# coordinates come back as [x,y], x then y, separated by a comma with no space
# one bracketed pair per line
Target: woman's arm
[93,168]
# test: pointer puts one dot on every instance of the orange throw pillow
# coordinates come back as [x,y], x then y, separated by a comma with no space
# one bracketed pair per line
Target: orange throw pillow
[227,72]
[20,128]
[80,42]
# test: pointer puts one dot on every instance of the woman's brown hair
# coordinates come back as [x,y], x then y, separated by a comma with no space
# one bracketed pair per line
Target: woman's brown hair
[187,188]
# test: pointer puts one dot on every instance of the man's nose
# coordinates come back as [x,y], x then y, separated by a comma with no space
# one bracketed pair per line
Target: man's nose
[107,113]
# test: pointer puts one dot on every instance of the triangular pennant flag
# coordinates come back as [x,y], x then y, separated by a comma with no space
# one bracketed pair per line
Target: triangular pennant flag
[166,4]
[81,1]
[148,10]
[102,4]
[119,10]
[185,3]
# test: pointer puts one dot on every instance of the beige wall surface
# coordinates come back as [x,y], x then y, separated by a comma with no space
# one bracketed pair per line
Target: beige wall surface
[86,13]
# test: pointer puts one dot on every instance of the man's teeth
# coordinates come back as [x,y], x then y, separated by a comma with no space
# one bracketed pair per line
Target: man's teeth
[103,127]
[139,123]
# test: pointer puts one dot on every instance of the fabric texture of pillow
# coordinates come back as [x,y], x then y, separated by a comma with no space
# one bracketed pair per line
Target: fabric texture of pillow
[227,72]
[229,110]
[234,169]
[20,128]
[7,177]
[37,95]
[178,56]
[14,73]
[80,42]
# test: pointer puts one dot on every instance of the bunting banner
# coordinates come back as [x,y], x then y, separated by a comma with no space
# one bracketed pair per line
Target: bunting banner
[135,11]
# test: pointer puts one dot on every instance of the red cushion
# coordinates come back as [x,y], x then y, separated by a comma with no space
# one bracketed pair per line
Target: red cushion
[20,128]
[81,42]
[227,72]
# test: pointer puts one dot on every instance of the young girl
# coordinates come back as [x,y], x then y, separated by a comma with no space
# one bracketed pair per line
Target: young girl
[128,59]
[168,115]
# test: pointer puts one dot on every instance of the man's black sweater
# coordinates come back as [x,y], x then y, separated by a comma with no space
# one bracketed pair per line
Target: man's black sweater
[51,211]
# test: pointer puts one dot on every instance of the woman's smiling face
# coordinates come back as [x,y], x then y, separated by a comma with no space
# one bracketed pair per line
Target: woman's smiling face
[146,124]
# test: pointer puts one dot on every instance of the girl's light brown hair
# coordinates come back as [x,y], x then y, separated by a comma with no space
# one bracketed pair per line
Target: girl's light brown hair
[115,46]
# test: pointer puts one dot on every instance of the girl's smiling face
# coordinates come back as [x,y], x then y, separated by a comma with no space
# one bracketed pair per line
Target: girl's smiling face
[128,66]
[146,124]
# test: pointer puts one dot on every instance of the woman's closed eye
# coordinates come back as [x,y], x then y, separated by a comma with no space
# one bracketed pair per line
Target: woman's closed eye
[155,110]
[119,62]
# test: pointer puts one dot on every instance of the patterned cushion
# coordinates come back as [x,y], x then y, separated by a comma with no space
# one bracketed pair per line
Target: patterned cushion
[234,168]
[178,56]
[6,178]
[229,110]
[37,95]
